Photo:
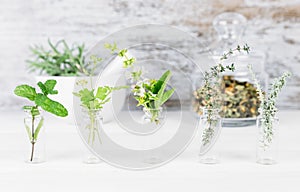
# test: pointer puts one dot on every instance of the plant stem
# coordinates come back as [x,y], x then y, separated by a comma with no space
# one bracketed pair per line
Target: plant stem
[32,140]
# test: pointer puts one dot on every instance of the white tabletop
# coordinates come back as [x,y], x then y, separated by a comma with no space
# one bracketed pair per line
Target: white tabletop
[64,170]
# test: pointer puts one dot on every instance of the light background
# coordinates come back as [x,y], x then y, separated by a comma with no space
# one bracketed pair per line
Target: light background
[274,28]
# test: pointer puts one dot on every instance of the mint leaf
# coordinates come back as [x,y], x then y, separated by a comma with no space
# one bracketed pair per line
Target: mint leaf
[38,129]
[48,87]
[51,106]
[25,91]
[43,88]
[50,84]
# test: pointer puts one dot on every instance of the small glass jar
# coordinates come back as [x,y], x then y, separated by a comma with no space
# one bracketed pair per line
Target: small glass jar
[93,123]
[211,125]
[154,115]
[267,146]
[34,126]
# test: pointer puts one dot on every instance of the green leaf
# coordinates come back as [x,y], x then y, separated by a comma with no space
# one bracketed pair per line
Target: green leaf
[28,131]
[50,84]
[86,96]
[51,106]
[122,52]
[53,47]
[26,91]
[166,96]
[103,92]
[111,47]
[38,128]
[163,79]
[43,88]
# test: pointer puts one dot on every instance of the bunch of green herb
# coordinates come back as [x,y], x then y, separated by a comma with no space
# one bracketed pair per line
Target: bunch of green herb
[41,100]
[59,60]
[152,94]
[267,107]
[213,97]
[93,100]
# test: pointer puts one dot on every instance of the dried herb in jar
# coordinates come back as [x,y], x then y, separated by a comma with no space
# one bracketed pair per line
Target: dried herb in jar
[240,99]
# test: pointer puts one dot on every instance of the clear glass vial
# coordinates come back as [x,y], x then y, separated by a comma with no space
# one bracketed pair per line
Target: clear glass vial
[35,148]
[93,123]
[267,144]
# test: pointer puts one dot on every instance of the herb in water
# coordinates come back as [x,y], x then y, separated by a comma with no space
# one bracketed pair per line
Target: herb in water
[41,100]
[152,94]
[211,91]
[93,100]
[267,109]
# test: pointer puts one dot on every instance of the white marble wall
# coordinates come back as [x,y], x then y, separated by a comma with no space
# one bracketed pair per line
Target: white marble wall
[274,28]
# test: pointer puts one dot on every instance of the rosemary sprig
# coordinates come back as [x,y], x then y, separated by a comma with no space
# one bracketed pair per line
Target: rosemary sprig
[59,59]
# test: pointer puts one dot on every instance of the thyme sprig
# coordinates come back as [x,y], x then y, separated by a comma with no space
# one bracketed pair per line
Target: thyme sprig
[211,89]
[268,107]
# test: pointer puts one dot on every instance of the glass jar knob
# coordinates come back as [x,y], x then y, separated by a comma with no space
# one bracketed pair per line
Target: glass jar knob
[230,26]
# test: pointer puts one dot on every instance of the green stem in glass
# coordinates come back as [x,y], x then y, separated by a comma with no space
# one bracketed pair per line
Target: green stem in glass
[32,139]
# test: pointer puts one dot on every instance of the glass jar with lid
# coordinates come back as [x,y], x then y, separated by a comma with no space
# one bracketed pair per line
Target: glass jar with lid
[240,99]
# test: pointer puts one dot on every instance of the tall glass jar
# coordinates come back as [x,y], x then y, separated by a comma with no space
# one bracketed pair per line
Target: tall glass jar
[267,145]
[93,123]
[241,103]
[34,125]
[211,125]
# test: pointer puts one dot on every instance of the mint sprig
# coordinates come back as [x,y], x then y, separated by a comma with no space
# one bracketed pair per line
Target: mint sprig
[41,99]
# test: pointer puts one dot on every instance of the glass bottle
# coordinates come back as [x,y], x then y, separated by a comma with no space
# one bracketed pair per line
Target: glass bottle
[267,146]
[211,125]
[93,123]
[154,115]
[34,126]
